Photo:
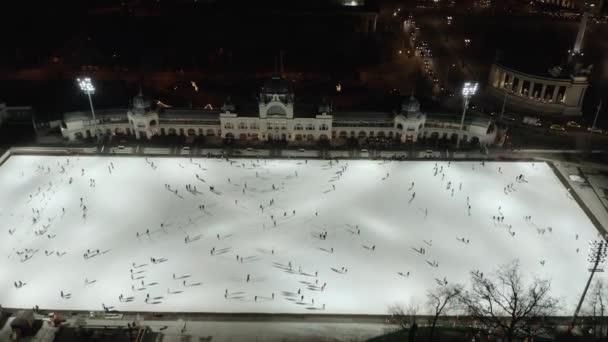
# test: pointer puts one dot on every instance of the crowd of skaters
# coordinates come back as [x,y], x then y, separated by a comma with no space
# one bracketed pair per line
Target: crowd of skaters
[438,169]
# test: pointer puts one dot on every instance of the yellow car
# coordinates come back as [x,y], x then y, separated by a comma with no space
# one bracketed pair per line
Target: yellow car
[573,124]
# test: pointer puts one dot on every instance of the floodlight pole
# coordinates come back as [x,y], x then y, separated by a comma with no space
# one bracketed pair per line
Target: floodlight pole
[598,253]
[464,112]
[91,104]
[87,87]
[468,90]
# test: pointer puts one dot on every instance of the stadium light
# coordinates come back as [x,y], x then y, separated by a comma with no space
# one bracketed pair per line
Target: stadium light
[88,88]
[468,90]
[597,257]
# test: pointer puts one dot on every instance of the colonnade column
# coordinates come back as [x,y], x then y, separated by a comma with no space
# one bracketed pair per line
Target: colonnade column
[520,86]
[554,97]
[542,91]
[503,80]
[531,90]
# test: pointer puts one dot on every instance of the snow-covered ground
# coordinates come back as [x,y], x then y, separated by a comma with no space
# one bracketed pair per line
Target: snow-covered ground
[373,204]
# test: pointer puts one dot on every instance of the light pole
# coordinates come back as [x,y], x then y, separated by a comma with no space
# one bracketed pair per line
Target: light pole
[504,102]
[597,113]
[468,90]
[87,87]
[597,256]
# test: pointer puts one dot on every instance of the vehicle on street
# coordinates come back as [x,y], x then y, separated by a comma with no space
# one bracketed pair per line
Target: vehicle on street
[595,130]
[573,124]
[532,121]
[556,127]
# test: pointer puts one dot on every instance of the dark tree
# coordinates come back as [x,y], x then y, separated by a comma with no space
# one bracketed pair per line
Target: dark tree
[504,303]
[441,300]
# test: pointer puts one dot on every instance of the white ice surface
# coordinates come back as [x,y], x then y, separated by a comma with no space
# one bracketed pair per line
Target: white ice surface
[133,198]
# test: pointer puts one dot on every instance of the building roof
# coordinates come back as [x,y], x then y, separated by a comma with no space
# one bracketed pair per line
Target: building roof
[189,114]
[534,69]
[452,118]
[363,116]
[103,113]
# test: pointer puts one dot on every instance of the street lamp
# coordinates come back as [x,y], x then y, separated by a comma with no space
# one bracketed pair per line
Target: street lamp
[597,256]
[468,90]
[87,87]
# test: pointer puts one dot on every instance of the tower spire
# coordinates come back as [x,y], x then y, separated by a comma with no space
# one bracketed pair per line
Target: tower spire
[276,71]
[281,62]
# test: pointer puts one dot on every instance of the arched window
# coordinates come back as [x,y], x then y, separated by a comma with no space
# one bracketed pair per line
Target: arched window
[323,127]
[254,126]
[228,125]
[276,110]
[242,125]
[298,127]
[399,126]
[310,127]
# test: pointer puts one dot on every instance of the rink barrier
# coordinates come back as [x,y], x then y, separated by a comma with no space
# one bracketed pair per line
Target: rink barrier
[252,317]
[261,153]
[562,178]
[5,156]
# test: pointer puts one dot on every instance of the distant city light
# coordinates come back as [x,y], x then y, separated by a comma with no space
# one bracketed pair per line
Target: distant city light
[193,83]
[338,87]
[467,42]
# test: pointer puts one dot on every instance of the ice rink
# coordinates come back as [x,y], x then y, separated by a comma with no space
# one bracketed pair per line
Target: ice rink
[379,218]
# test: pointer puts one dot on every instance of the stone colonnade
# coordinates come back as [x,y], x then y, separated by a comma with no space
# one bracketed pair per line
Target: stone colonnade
[541,89]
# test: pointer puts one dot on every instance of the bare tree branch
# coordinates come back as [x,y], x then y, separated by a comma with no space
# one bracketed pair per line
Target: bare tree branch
[504,302]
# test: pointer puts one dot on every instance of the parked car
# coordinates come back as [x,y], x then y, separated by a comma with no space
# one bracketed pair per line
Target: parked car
[573,124]
[595,130]
[556,127]
[532,121]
